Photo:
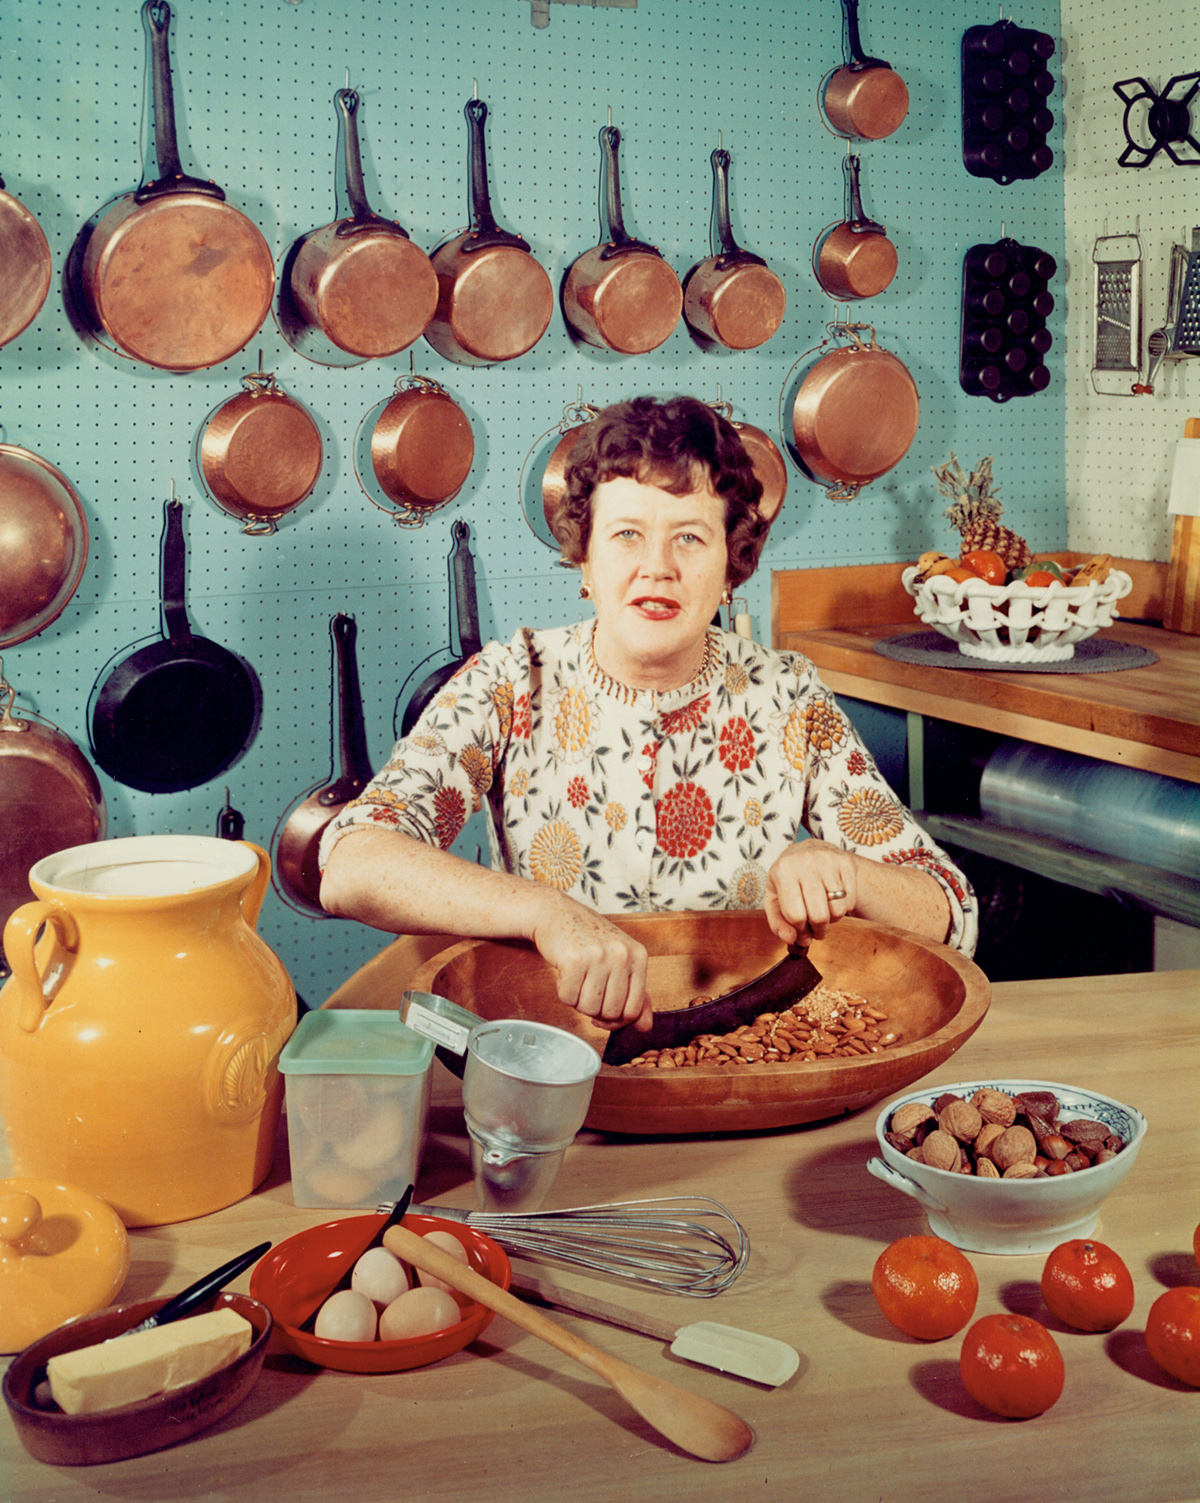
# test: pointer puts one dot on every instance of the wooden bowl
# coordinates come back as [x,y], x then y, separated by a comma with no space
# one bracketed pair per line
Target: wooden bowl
[134,1429]
[934,997]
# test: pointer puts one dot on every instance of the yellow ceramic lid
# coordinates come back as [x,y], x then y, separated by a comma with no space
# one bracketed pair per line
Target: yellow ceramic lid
[63,1253]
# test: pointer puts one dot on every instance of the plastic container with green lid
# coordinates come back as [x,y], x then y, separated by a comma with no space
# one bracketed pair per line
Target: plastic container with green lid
[357,1105]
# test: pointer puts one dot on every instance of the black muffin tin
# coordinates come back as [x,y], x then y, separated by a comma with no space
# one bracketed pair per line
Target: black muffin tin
[1006,83]
[1006,300]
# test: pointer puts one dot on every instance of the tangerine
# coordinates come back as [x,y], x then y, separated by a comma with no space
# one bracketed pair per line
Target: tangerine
[1173,1333]
[925,1287]
[987,564]
[1011,1365]
[1087,1285]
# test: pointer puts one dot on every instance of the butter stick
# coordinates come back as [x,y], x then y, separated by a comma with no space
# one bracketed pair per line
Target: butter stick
[129,1368]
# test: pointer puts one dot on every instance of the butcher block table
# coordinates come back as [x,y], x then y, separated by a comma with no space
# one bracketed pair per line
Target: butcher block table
[871,1415]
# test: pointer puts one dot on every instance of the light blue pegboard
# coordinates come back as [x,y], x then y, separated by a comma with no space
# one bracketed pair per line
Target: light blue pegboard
[254,87]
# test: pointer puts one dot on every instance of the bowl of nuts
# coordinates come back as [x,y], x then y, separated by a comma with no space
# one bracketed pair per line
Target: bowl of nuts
[1007,1166]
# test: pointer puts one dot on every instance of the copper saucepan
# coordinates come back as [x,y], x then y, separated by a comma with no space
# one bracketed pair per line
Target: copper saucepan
[43,543]
[865,98]
[621,295]
[25,267]
[768,462]
[175,276]
[854,259]
[494,299]
[259,454]
[422,449]
[732,297]
[361,280]
[578,417]
[855,415]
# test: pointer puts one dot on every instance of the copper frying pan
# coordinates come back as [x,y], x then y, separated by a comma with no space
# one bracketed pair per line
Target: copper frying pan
[43,543]
[25,267]
[621,295]
[422,449]
[865,97]
[175,276]
[733,297]
[259,454]
[361,280]
[494,299]
[855,415]
[854,259]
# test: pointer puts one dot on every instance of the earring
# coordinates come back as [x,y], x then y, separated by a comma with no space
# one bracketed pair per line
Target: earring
[727,597]
[584,592]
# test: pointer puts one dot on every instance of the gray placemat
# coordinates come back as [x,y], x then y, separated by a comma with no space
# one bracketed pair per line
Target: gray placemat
[1094,655]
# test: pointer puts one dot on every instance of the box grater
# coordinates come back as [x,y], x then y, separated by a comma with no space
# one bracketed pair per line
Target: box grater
[1117,260]
[1185,340]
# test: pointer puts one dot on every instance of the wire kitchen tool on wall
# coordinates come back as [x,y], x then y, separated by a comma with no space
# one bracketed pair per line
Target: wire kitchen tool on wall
[1166,119]
[1117,290]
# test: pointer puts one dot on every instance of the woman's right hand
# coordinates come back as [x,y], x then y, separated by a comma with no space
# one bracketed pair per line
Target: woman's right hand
[601,970]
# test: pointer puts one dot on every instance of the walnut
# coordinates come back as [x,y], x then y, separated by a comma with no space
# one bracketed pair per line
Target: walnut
[906,1118]
[988,1134]
[995,1106]
[961,1121]
[941,1151]
[1015,1145]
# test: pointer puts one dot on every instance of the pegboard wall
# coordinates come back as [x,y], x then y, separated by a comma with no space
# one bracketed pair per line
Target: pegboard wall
[254,85]
[1120,450]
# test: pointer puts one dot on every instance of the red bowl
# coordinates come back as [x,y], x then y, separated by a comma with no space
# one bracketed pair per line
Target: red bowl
[292,1277]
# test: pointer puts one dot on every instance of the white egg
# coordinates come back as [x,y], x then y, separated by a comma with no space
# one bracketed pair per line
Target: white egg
[448,1242]
[347,1316]
[420,1312]
[379,1275]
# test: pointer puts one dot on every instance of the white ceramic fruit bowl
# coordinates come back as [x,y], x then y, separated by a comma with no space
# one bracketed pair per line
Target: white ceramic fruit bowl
[1012,1215]
[1016,623]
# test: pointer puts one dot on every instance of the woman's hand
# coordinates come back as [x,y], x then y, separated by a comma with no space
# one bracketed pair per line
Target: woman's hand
[812,885]
[601,970]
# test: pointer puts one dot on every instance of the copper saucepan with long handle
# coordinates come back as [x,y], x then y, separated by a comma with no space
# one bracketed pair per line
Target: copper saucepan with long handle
[733,297]
[175,276]
[361,280]
[43,543]
[25,266]
[865,98]
[621,295]
[854,259]
[494,299]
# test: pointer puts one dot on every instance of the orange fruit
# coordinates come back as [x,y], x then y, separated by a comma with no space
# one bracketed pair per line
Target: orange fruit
[925,1287]
[1040,577]
[1011,1365]
[961,573]
[986,564]
[1087,1286]
[1173,1333]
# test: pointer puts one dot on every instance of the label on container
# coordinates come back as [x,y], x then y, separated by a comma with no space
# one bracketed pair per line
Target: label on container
[440,1030]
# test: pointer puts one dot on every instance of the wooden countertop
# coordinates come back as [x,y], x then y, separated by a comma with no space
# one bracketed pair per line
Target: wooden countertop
[1145,717]
[871,1414]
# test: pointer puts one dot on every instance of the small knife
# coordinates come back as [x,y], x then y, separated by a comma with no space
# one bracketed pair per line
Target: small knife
[393,1218]
[196,1294]
[789,980]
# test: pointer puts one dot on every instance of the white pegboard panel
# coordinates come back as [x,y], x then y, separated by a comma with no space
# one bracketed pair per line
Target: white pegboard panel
[254,91]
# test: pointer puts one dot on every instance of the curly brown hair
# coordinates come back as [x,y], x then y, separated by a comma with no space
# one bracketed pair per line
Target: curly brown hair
[678,444]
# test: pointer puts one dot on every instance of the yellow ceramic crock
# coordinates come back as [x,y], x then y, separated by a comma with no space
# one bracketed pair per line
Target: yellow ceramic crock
[141,1028]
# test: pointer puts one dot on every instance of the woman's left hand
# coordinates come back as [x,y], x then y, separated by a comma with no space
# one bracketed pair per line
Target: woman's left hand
[812,885]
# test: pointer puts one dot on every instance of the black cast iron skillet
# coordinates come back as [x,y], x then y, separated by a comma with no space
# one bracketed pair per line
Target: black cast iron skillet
[462,567]
[179,711]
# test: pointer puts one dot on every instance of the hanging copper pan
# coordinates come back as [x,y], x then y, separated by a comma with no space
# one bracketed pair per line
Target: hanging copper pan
[43,543]
[494,299]
[621,295]
[865,97]
[733,297]
[361,280]
[25,267]
[855,415]
[175,276]
[422,449]
[259,454]
[554,476]
[769,466]
[854,259]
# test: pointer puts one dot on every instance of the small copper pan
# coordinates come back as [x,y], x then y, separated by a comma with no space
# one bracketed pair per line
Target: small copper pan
[361,280]
[854,259]
[43,543]
[494,299]
[259,454]
[768,462]
[25,267]
[621,295]
[733,297]
[422,448]
[865,98]
[855,415]
[554,477]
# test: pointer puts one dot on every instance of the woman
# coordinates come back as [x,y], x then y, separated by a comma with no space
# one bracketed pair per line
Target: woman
[644,760]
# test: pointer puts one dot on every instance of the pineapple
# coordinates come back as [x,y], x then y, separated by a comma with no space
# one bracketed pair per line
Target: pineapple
[975,512]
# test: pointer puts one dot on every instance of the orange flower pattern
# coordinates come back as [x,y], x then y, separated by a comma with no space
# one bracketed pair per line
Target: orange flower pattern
[640,801]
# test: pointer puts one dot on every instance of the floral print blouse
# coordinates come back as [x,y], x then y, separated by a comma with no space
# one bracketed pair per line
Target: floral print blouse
[637,800]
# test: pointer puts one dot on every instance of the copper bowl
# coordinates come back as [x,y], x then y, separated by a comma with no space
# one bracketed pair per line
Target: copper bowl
[133,1429]
[933,996]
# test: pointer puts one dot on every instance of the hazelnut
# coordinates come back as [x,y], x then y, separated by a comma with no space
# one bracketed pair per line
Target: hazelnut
[1021,1171]
[1015,1145]
[941,1151]
[1078,1161]
[1058,1166]
[906,1118]
[1055,1146]
[995,1106]
[961,1121]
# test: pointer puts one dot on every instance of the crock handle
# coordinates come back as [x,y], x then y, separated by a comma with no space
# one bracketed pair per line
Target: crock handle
[252,898]
[37,987]
[901,1182]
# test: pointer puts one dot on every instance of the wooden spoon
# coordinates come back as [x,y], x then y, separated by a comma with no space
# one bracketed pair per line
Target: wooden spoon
[693,1423]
